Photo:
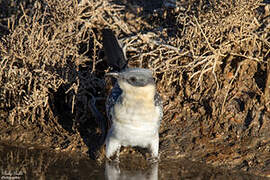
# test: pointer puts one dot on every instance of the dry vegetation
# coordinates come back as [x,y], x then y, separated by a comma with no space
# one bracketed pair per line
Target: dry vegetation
[210,60]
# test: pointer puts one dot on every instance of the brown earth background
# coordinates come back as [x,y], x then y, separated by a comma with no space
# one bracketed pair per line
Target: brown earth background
[210,60]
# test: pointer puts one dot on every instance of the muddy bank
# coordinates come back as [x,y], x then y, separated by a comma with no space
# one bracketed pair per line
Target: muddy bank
[210,62]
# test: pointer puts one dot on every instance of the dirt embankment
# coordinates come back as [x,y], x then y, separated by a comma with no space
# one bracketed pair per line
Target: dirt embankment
[210,61]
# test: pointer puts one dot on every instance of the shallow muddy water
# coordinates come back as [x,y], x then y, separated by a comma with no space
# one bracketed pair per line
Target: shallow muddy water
[22,163]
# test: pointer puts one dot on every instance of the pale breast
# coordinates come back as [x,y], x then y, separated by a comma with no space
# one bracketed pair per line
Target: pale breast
[136,112]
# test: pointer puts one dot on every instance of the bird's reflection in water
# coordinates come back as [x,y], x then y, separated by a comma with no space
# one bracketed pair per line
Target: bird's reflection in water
[113,172]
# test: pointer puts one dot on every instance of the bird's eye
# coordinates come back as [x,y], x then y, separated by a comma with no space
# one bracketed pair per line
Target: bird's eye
[132,79]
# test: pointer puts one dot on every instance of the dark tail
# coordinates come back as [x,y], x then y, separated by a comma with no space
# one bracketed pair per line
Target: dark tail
[114,52]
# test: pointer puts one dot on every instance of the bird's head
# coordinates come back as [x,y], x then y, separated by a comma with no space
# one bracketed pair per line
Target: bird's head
[138,77]
[137,80]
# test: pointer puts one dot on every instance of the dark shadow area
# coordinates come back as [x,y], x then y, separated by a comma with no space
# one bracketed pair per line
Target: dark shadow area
[261,118]
[261,76]
[90,101]
[241,104]
[153,13]
[10,10]
[207,107]
[83,111]
[147,6]
[248,119]
[60,107]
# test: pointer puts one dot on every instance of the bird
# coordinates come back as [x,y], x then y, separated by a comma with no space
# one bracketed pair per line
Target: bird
[134,107]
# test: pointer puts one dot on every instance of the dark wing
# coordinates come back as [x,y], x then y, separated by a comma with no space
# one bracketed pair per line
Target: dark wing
[115,55]
[159,105]
[113,97]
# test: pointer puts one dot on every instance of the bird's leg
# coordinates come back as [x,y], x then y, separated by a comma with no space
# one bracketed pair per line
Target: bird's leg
[154,146]
[112,146]
[117,155]
[112,169]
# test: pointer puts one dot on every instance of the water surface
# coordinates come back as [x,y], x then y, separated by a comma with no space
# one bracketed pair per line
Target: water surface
[22,163]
